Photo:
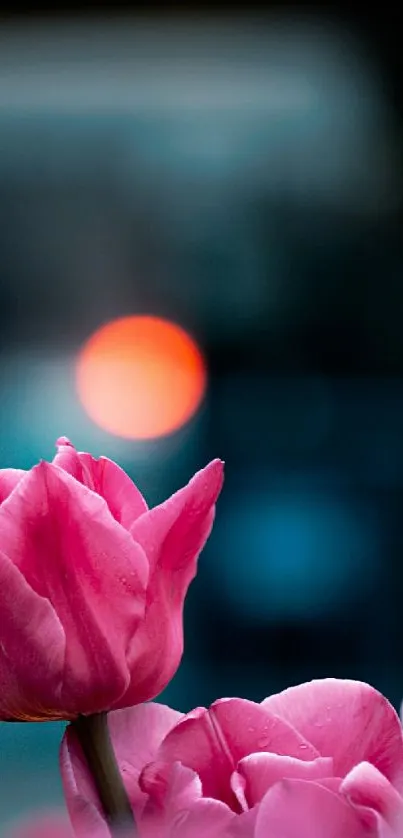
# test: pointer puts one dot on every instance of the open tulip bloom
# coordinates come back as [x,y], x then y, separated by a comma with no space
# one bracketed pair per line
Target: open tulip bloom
[92,588]
[320,760]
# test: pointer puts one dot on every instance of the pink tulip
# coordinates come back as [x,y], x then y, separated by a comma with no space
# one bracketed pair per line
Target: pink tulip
[47,825]
[44,825]
[320,760]
[92,584]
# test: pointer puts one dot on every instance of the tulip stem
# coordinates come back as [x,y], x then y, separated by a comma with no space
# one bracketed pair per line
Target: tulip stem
[93,735]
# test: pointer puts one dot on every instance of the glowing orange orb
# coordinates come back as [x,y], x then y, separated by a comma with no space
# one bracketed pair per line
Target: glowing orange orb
[140,377]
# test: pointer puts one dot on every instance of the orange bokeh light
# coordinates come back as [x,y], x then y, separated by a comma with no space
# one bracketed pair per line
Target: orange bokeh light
[140,377]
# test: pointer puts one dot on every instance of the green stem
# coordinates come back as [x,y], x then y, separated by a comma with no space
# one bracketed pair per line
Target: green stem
[93,735]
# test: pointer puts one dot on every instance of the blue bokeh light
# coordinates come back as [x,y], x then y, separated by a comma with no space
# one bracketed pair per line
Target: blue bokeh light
[294,554]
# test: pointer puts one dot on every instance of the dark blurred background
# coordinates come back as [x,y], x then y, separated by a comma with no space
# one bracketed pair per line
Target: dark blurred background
[241,177]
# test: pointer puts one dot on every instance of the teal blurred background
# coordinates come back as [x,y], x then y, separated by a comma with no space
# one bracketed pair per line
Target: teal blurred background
[244,180]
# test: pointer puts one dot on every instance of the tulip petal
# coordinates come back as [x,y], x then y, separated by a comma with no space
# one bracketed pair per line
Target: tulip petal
[206,818]
[104,477]
[301,808]
[9,479]
[365,786]
[71,551]
[136,734]
[261,771]
[172,535]
[32,650]
[176,807]
[243,826]
[348,720]
[82,800]
[170,788]
[212,742]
